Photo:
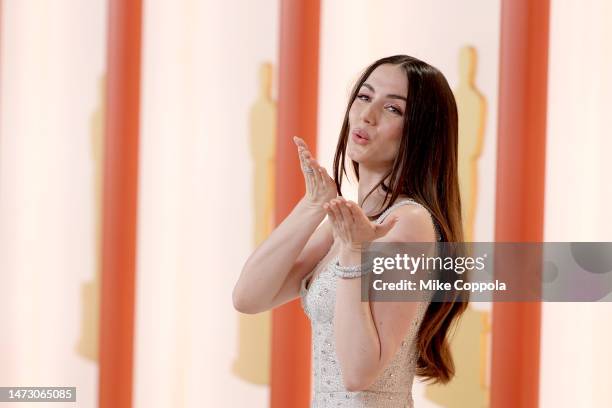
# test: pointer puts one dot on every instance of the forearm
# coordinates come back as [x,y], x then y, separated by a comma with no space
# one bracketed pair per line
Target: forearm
[266,269]
[357,341]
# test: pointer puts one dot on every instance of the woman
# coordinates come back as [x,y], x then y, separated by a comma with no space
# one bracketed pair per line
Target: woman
[400,133]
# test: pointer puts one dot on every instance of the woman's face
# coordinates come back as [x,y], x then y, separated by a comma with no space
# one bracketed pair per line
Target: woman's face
[376,118]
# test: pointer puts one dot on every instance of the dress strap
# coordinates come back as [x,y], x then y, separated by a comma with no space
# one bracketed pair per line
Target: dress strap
[384,215]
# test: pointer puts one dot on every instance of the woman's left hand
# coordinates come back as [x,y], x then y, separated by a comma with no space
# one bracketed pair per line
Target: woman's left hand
[352,226]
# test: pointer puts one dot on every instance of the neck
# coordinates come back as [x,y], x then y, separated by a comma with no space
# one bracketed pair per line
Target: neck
[368,178]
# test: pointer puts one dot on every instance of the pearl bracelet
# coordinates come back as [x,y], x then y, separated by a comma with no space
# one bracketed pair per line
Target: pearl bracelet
[354,271]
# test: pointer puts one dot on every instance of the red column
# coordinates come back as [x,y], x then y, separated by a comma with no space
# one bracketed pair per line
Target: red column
[120,204]
[520,192]
[297,115]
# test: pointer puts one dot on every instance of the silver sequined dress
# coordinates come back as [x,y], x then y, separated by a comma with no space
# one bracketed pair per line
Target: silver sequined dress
[393,387]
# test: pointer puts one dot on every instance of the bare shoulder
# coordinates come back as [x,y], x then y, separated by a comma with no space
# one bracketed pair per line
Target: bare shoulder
[414,224]
[393,320]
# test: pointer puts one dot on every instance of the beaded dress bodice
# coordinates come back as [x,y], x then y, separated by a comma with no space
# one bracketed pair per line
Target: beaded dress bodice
[393,387]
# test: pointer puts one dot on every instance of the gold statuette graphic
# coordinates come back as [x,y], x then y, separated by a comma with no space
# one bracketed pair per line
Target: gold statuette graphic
[87,345]
[253,361]
[469,347]
[472,111]
[470,341]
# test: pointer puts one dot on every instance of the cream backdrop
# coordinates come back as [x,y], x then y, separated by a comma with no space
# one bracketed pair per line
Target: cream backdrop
[355,33]
[53,56]
[201,70]
[576,337]
[199,80]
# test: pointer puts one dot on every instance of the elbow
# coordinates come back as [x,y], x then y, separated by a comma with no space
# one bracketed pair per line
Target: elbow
[244,304]
[247,301]
[239,299]
[240,303]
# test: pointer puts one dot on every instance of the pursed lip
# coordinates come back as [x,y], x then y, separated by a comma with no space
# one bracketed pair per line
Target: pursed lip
[361,133]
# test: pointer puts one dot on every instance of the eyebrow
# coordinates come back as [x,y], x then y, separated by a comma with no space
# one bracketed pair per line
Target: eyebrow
[393,96]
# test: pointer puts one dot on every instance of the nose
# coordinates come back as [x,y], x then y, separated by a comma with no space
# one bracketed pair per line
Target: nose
[368,114]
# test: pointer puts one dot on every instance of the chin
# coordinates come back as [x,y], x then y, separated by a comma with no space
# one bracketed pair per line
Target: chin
[353,155]
[362,159]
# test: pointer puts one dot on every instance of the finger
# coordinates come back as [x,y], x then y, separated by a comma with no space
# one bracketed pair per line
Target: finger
[336,203]
[384,228]
[348,221]
[326,209]
[331,216]
[312,173]
[327,177]
[358,213]
[301,142]
[348,216]
[324,184]
[329,182]
[308,155]
[301,156]
[324,175]
[316,167]
[334,208]
[346,213]
[355,211]
[305,166]
[302,148]
[303,153]
[307,176]
[332,213]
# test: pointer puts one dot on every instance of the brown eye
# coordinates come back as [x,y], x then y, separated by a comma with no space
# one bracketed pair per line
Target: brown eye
[395,110]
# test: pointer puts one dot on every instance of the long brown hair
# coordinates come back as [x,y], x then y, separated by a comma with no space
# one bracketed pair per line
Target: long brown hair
[424,169]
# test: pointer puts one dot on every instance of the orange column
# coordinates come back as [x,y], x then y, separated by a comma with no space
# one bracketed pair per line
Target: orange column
[297,115]
[120,204]
[520,192]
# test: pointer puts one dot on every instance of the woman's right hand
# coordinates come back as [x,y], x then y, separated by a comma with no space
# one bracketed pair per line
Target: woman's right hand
[320,187]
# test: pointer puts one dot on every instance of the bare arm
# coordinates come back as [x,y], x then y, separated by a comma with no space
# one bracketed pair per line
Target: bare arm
[368,334]
[272,274]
